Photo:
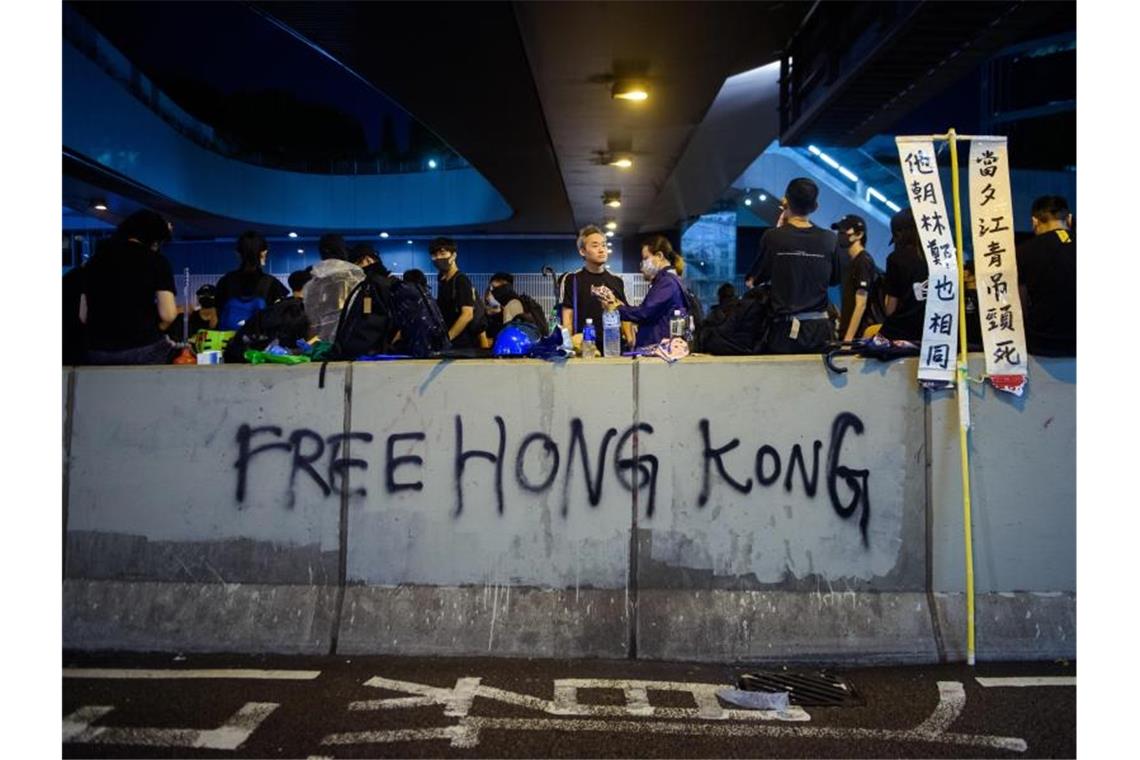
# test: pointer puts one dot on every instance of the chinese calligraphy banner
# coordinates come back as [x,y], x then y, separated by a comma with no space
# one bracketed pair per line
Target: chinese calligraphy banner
[995,264]
[940,323]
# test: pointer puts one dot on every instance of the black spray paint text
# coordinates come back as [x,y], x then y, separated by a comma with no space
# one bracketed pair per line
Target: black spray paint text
[538,463]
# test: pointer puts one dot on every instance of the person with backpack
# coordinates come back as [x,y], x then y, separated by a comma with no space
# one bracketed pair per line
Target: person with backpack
[249,289]
[504,305]
[659,263]
[905,283]
[462,310]
[858,281]
[334,277]
[127,294]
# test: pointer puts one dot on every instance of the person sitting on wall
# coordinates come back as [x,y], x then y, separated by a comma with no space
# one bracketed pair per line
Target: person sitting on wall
[575,297]
[298,279]
[659,263]
[205,317]
[248,289]
[1047,279]
[726,303]
[128,295]
[334,277]
[904,284]
[456,297]
[800,261]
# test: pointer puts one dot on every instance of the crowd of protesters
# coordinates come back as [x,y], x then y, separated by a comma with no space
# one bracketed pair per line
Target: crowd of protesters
[120,307]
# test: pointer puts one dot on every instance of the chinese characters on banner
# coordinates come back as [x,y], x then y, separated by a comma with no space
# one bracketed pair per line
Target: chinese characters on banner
[936,362]
[995,264]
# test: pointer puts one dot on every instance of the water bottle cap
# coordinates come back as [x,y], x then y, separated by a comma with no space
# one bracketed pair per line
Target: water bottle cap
[676,312]
[589,320]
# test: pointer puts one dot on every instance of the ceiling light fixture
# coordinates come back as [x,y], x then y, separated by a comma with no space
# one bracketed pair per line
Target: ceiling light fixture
[609,233]
[629,90]
[300,250]
[293,234]
[622,162]
[763,197]
[99,204]
[611,198]
[611,225]
[384,235]
[747,201]
[432,164]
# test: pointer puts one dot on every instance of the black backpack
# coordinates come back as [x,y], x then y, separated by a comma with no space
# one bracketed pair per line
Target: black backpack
[365,323]
[416,315]
[284,321]
[535,313]
[695,310]
[876,311]
[744,330]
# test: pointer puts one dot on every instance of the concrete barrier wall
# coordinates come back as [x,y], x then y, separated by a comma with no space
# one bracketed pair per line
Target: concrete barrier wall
[753,508]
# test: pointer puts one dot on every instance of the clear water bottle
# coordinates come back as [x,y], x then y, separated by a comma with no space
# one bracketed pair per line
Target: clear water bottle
[677,325]
[589,341]
[611,334]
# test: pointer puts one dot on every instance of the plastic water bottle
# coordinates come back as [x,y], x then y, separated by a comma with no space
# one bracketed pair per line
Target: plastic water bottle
[677,325]
[589,341]
[611,334]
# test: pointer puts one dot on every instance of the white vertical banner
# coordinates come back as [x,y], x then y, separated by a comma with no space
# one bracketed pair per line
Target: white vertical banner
[995,264]
[936,362]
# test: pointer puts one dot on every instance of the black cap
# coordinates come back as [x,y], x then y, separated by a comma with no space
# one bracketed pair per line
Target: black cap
[851,221]
[901,221]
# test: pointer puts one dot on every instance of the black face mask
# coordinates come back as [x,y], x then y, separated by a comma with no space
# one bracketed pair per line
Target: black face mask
[844,240]
[503,294]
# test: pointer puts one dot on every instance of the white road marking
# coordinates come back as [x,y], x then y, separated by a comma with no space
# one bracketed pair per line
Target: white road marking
[466,734]
[230,735]
[264,675]
[1028,681]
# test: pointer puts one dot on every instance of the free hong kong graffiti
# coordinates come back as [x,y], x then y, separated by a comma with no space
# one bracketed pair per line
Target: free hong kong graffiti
[540,464]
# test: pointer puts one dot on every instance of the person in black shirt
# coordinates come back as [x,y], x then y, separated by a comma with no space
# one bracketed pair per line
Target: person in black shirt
[128,295]
[298,279]
[249,281]
[799,261]
[575,297]
[904,284]
[1047,276]
[456,296]
[851,233]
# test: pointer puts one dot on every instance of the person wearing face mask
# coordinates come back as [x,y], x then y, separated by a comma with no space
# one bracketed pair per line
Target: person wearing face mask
[799,261]
[659,265]
[466,320]
[503,303]
[1047,275]
[851,232]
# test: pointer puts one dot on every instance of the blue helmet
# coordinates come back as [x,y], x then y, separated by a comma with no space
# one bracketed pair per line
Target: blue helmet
[515,339]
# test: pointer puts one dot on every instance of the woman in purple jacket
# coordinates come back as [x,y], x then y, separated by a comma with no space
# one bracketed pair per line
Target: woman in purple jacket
[661,265]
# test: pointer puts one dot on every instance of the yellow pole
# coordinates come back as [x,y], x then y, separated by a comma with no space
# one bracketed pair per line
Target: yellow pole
[963,402]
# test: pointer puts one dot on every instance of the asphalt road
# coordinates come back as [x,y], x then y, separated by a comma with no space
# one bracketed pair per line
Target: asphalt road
[133,705]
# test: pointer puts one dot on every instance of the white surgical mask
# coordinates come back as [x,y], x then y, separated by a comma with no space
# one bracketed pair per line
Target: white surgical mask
[649,268]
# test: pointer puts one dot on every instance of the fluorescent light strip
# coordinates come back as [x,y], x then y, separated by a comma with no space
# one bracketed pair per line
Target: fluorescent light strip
[847,173]
[892,206]
[813,150]
[829,160]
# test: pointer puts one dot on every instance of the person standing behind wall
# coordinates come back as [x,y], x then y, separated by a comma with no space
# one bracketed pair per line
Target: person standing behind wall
[334,277]
[659,265]
[456,297]
[851,232]
[1047,276]
[128,295]
[905,281]
[575,297]
[800,261]
[248,289]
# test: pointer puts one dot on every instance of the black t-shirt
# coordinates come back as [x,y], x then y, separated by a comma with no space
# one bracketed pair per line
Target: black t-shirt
[454,294]
[242,284]
[589,305]
[906,269]
[120,283]
[860,273]
[1047,268]
[801,263]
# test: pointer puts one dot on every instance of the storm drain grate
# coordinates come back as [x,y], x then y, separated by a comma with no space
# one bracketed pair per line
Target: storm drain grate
[819,689]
